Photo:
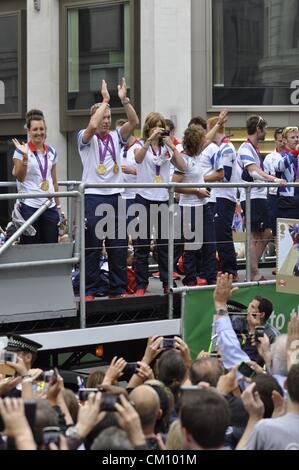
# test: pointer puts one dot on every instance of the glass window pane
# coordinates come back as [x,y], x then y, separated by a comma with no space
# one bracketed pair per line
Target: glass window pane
[9,84]
[255,52]
[98,48]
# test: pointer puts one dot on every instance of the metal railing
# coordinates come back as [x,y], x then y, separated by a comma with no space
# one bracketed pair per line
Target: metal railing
[79,234]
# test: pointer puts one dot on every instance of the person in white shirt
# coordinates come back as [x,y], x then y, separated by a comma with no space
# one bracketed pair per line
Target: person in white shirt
[251,163]
[196,213]
[225,202]
[153,166]
[269,166]
[212,171]
[35,170]
[100,154]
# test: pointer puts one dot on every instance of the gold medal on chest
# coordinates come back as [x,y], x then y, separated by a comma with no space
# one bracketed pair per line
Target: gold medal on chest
[158,179]
[115,168]
[101,169]
[44,185]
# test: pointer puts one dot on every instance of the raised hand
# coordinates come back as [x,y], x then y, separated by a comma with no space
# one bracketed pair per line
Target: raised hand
[115,370]
[222,118]
[105,92]
[153,348]
[122,89]
[21,147]
[156,132]
[223,290]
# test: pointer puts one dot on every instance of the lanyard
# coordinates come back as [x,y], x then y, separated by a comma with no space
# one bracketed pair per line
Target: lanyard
[158,167]
[43,170]
[127,147]
[107,144]
[257,150]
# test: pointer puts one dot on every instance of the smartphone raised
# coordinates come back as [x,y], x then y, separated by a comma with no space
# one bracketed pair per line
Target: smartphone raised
[130,368]
[167,343]
[246,370]
[85,392]
[51,434]
[108,402]
[259,332]
[8,356]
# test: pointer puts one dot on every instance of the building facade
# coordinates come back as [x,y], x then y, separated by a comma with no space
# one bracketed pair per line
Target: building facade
[180,57]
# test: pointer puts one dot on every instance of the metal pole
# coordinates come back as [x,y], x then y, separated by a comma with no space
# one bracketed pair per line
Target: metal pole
[170,252]
[183,313]
[70,206]
[81,223]
[77,223]
[248,235]
[179,290]
[44,262]
[23,227]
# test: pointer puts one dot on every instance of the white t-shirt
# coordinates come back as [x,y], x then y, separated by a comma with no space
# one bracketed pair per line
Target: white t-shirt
[269,167]
[128,159]
[239,170]
[180,149]
[210,161]
[147,170]
[33,179]
[227,155]
[193,174]
[248,155]
[90,156]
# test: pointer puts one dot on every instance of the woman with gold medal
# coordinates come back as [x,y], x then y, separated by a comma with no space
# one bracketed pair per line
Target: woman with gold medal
[153,166]
[35,170]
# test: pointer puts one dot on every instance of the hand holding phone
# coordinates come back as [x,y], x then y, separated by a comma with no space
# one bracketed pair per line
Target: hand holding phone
[246,370]
[85,392]
[130,368]
[51,434]
[167,343]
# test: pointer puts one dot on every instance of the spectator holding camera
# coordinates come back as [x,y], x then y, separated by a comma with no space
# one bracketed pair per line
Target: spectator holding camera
[258,312]
[256,326]
[26,350]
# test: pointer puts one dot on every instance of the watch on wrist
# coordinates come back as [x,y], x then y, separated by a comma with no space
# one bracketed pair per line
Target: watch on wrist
[125,101]
[72,433]
[221,310]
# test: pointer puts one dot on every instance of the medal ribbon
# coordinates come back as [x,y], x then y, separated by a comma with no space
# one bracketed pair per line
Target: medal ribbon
[127,147]
[43,170]
[256,148]
[108,144]
[158,167]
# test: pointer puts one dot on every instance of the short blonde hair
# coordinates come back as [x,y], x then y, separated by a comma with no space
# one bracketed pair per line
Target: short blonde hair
[289,129]
[213,121]
[174,439]
[95,106]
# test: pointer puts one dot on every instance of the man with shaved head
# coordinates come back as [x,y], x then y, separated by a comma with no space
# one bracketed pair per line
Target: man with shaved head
[147,404]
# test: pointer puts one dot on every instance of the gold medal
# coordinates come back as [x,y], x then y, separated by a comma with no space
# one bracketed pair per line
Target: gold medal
[115,168]
[101,169]
[44,185]
[158,179]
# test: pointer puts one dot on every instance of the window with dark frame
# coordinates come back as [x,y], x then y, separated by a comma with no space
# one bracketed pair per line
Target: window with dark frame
[9,64]
[255,52]
[98,45]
